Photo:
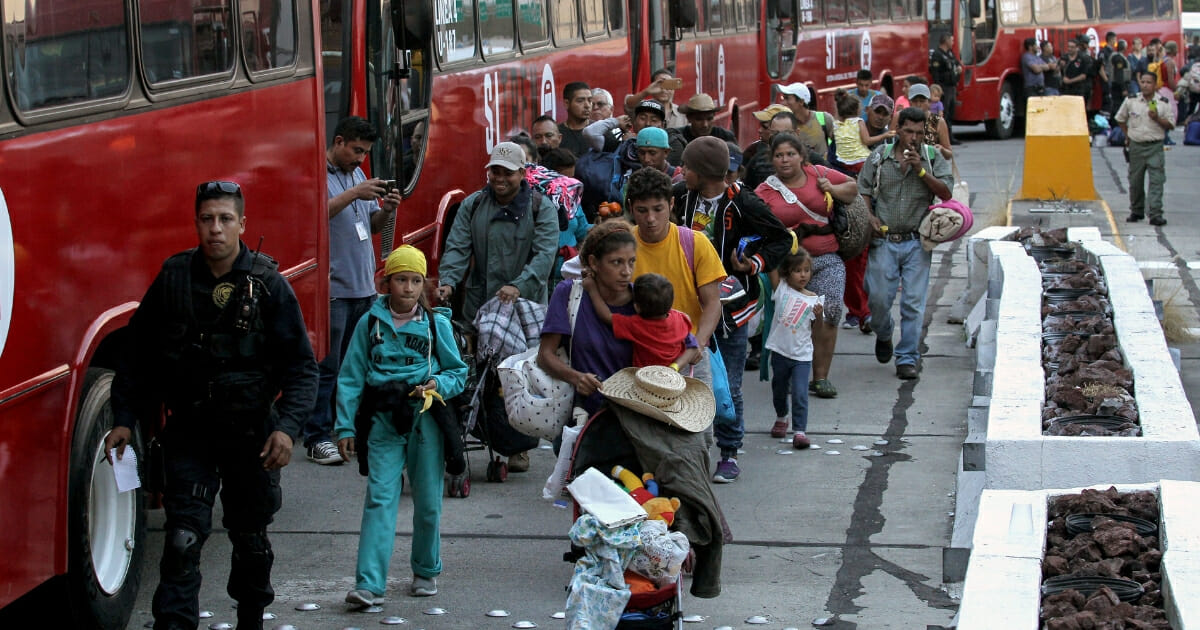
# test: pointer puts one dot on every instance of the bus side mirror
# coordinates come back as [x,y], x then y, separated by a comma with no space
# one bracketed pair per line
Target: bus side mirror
[683,14]
[781,9]
[976,9]
[412,24]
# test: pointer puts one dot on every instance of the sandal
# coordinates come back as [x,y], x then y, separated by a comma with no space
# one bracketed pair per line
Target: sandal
[824,389]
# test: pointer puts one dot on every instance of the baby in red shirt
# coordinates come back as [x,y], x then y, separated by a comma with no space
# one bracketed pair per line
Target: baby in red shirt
[660,334]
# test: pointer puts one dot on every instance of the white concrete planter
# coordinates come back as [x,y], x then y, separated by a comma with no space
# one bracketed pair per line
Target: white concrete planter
[1003,585]
[1017,455]
[1005,448]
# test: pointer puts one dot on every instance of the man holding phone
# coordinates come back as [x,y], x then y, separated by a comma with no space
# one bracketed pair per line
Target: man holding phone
[899,182]
[355,213]
[662,89]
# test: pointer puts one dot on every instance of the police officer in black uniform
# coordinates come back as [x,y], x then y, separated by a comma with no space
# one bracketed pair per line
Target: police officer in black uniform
[220,344]
[945,69]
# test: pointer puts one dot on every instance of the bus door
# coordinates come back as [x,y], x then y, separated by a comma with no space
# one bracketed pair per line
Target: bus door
[667,19]
[398,80]
[780,33]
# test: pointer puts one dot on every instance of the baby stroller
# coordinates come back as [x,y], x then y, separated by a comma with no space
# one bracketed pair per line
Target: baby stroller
[679,461]
[499,330]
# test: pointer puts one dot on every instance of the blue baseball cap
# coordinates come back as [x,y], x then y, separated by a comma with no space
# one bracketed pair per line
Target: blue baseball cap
[655,137]
[735,157]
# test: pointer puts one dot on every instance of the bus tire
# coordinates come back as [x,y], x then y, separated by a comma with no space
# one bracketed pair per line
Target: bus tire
[1001,128]
[106,529]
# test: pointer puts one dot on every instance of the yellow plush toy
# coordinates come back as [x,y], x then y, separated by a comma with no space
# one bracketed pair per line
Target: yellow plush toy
[658,508]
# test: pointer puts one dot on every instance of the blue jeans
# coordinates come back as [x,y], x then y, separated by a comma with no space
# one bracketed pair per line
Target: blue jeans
[732,345]
[787,373]
[344,314]
[904,266]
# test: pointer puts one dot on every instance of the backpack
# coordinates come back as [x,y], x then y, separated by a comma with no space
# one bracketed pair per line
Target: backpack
[1191,136]
[603,178]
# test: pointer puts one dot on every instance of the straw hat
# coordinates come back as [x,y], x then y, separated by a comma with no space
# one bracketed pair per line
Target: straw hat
[699,104]
[663,394]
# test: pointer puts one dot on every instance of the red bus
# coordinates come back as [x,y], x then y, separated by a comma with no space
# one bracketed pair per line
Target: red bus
[111,112]
[491,67]
[824,43]
[989,38]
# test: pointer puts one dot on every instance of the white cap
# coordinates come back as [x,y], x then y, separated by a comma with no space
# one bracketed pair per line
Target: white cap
[799,90]
[510,155]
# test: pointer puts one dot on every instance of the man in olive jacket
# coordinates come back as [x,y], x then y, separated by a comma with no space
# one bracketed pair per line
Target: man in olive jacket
[509,229]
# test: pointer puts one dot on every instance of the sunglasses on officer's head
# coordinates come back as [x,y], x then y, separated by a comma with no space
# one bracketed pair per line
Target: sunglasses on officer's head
[218,188]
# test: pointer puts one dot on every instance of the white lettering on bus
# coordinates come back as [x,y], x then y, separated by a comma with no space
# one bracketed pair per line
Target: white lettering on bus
[491,110]
[549,93]
[1093,41]
[829,50]
[446,17]
[699,54]
[865,49]
[8,271]
[721,75]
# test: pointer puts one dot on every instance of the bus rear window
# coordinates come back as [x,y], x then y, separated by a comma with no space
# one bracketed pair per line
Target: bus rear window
[185,40]
[65,52]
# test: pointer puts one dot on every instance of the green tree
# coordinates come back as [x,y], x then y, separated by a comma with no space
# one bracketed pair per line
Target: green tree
[1191,5]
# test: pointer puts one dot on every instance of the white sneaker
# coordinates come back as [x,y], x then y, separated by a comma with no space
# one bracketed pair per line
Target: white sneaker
[363,597]
[325,453]
[423,586]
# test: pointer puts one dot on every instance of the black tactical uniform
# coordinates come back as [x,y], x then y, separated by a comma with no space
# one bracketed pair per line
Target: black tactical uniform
[945,69]
[216,353]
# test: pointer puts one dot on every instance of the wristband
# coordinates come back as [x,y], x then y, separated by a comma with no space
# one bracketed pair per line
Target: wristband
[921,174]
[675,366]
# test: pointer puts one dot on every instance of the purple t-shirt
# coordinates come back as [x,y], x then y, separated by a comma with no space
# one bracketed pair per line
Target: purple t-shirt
[594,349]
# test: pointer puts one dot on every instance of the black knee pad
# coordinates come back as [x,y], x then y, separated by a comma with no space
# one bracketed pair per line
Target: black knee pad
[181,557]
[250,542]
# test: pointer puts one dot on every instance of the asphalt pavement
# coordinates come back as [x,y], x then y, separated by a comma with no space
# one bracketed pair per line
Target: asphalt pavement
[854,537]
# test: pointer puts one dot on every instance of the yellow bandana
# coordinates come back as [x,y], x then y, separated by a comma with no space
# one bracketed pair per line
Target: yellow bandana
[404,258]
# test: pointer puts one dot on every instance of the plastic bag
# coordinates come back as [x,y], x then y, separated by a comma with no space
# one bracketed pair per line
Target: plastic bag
[661,554]
[726,414]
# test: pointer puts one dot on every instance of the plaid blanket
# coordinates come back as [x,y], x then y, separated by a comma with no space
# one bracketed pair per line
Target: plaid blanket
[508,328]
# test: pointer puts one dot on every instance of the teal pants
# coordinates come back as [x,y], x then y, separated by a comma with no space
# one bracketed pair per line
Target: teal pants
[1146,159]
[389,453]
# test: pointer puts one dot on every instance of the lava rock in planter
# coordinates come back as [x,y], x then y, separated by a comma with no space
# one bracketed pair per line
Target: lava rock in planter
[1116,539]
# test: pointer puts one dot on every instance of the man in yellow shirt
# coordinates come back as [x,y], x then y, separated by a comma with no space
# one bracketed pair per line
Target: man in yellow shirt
[662,250]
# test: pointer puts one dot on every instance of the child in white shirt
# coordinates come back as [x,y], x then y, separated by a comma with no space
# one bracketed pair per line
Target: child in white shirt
[791,346]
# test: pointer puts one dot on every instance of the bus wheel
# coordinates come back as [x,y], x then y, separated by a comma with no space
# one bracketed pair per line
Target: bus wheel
[1002,127]
[106,528]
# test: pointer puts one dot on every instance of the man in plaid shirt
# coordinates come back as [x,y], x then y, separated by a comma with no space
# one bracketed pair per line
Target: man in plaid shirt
[899,182]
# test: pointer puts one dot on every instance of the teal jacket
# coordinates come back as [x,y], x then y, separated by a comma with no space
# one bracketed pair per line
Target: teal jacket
[400,357]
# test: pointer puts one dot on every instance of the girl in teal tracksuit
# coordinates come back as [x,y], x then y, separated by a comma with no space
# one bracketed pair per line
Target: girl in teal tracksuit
[392,346]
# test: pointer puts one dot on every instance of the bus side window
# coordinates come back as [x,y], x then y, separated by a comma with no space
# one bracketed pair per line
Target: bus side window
[594,25]
[454,30]
[715,20]
[531,23]
[1051,11]
[1141,9]
[835,11]
[268,34]
[1082,10]
[565,18]
[496,27]
[1112,10]
[181,41]
[1166,8]
[75,52]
